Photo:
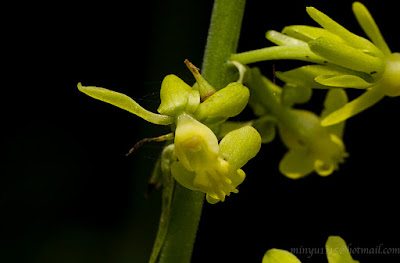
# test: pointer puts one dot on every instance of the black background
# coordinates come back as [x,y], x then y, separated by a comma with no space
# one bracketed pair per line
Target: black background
[68,193]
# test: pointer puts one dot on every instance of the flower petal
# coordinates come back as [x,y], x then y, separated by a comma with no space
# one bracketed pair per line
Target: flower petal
[296,164]
[369,26]
[347,56]
[279,256]
[212,200]
[363,102]
[351,39]
[195,143]
[334,100]
[227,102]
[305,76]
[324,168]
[175,95]
[282,39]
[238,177]
[307,33]
[183,176]
[126,103]
[337,251]
[239,146]
[343,81]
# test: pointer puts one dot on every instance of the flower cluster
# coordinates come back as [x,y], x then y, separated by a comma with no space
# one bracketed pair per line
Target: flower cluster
[342,60]
[202,163]
[210,163]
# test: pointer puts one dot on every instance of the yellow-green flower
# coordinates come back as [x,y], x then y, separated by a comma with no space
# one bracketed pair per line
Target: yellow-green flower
[206,166]
[202,164]
[311,147]
[335,248]
[343,60]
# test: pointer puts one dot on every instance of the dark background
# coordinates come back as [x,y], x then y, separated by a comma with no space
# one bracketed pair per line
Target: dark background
[69,194]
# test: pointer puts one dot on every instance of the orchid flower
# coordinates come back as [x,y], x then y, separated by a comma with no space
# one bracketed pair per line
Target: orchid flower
[342,60]
[312,147]
[209,167]
[202,164]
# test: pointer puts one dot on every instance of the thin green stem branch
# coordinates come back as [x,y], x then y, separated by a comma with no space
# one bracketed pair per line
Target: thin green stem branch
[223,38]
[186,207]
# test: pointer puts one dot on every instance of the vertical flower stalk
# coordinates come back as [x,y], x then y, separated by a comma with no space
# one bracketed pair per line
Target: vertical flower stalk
[223,37]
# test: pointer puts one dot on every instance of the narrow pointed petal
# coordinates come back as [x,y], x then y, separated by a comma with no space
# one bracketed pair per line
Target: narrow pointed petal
[126,103]
[369,26]
[363,102]
[335,28]
[296,164]
[239,146]
[343,81]
[282,39]
[308,33]
[279,256]
[334,100]
[305,76]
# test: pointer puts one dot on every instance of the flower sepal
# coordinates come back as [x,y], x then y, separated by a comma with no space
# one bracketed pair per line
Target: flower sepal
[223,104]
[177,96]
[126,103]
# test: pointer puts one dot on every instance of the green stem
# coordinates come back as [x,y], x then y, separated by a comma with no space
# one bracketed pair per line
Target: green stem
[186,205]
[223,38]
